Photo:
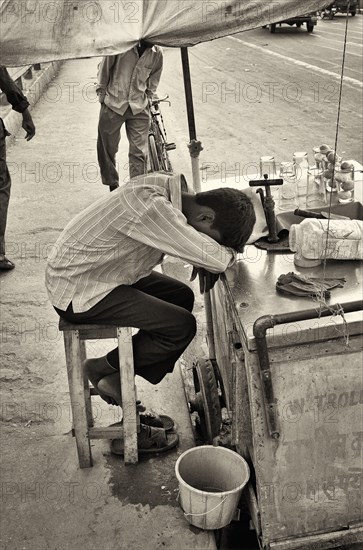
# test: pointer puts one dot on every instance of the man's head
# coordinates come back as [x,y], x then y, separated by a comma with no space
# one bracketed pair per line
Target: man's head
[225,214]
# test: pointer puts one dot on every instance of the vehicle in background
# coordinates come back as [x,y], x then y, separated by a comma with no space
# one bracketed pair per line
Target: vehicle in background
[310,19]
[340,6]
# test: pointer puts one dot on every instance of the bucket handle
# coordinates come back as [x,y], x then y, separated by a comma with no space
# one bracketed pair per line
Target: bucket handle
[208,511]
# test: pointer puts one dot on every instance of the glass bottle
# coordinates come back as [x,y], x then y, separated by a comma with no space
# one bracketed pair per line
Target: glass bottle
[301,163]
[318,157]
[315,192]
[344,179]
[287,199]
[268,166]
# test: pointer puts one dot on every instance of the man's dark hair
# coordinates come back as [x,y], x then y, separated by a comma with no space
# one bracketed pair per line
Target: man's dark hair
[235,215]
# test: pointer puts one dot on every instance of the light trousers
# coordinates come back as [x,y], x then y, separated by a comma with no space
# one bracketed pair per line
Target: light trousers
[109,128]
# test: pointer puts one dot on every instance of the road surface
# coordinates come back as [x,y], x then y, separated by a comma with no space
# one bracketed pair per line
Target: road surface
[257,93]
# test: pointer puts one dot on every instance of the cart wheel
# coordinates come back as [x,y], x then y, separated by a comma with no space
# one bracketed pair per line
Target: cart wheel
[309,27]
[206,402]
[272,27]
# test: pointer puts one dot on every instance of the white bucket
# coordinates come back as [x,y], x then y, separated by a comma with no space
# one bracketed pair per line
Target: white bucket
[211,480]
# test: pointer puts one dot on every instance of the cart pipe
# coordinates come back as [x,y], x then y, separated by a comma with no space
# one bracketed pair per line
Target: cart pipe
[261,325]
[269,321]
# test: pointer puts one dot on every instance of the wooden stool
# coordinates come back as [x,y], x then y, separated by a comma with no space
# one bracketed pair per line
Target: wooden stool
[80,391]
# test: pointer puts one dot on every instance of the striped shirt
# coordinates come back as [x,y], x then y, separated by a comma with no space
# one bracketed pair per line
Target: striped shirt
[128,80]
[120,239]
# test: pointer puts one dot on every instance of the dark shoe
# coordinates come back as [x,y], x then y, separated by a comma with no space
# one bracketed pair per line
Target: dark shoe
[6,264]
[113,187]
[157,421]
[154,421]
[149,441]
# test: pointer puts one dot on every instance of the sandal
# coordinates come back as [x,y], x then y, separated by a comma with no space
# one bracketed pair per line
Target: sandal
[149,441]
[157,421]
[154,421]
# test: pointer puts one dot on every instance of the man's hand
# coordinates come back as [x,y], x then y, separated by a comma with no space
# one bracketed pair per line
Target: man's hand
[28,125]
[101,94]
[101,97]
[207,280]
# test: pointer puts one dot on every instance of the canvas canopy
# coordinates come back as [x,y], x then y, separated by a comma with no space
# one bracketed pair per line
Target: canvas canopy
[34,31]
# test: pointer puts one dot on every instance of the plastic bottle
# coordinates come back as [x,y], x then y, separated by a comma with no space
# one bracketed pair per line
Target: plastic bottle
[314,240]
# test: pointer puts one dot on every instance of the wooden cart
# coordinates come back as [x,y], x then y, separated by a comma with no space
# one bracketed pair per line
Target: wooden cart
[290,375]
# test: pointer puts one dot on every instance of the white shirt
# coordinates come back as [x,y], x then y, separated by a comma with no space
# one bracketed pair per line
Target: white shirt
[120,239]
[128,80]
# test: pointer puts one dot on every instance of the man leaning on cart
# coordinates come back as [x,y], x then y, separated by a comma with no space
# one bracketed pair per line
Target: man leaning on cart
[101,271]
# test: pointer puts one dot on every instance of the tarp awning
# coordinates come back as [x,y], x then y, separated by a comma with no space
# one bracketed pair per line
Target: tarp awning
[34,31]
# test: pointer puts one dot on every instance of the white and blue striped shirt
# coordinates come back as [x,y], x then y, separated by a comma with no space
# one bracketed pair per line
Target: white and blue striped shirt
[120,239]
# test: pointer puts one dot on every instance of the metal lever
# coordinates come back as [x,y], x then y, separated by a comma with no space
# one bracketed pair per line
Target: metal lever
[268,204]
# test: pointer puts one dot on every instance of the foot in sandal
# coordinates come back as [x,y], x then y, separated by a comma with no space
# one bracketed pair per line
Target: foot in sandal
[149,441]
[154,420]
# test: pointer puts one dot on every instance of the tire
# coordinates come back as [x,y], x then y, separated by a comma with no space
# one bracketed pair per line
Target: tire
[153,154]
[309,27]
[164,163]
[206,402]
[272,27]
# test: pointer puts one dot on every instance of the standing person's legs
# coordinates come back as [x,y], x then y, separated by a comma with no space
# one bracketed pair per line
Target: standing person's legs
[5,185]
[109,127]
[161,308]
[137,130]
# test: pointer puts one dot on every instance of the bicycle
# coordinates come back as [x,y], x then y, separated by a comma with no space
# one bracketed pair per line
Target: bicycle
[158,146]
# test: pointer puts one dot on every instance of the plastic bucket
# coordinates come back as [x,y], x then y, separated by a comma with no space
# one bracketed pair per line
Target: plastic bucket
[211,480]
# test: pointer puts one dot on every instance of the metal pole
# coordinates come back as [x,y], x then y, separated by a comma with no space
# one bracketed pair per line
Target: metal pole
[194,146]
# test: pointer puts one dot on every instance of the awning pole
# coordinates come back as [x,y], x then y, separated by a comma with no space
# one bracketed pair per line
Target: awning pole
[194,146]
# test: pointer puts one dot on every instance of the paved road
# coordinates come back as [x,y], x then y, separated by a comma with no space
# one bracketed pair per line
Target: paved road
[257,93]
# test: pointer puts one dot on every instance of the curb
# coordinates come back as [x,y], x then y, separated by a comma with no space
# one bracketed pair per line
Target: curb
[33,91]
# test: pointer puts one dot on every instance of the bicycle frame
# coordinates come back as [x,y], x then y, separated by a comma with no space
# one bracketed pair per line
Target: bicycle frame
[157,140]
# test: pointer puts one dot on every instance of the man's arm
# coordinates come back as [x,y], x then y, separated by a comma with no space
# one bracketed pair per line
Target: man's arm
[103,76]
[13,93]
[207,280]
[165,228]
[17,100]
[154,77]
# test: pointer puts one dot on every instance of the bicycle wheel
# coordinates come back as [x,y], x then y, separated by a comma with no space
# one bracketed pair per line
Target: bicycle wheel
[153,154]
[164,161]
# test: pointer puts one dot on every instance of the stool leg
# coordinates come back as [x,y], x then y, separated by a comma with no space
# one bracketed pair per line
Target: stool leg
[76,392]
[128,394]
[87,392]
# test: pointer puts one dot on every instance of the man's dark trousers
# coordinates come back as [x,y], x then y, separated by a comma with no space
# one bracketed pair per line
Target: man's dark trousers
[157,305]
[5,184]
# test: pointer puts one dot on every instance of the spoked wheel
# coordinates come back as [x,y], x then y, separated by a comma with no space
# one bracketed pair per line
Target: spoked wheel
[153,155]
[207,401]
